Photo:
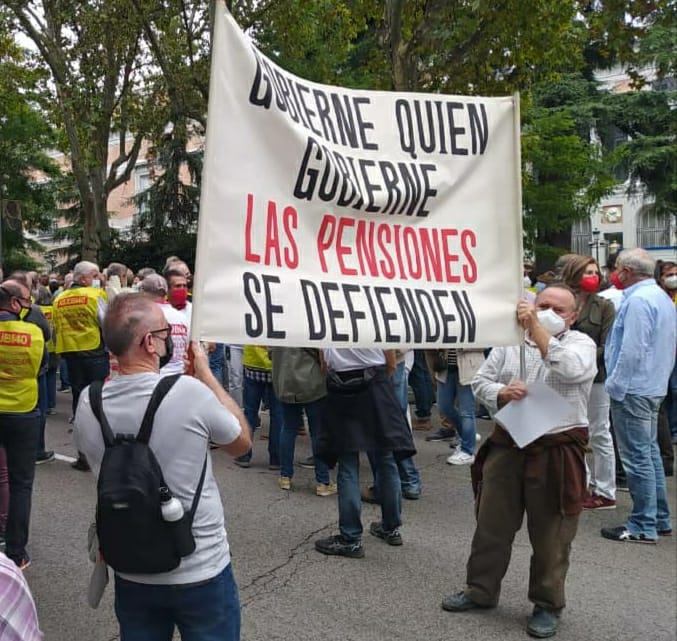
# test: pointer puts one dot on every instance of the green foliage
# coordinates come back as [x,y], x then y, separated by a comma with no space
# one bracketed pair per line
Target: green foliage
[26,171]
[649,119]
[170,206]
[564,175]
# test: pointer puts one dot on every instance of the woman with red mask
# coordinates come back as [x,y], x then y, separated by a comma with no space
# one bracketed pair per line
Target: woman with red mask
[595,318]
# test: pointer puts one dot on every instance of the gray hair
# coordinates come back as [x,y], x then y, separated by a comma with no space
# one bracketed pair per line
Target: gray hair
[128,318]
[84,268]
[637,260]
[153,284]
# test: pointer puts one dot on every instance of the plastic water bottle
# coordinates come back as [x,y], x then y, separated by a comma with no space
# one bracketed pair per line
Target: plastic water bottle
[171,507]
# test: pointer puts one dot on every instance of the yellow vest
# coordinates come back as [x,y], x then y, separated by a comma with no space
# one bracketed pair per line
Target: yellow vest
[21,348]
[256,357]
[49,315]
[75,320]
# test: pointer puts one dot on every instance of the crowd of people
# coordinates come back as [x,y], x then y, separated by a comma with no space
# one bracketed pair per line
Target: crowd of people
[604,340]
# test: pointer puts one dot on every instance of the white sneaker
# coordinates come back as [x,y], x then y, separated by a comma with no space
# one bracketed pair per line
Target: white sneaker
[459,457]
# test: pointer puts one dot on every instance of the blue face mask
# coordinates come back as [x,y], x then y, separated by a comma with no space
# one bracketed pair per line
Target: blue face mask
[539,287]
[96,283]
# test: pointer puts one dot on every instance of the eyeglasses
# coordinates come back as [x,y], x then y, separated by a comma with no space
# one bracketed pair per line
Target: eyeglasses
[152,332]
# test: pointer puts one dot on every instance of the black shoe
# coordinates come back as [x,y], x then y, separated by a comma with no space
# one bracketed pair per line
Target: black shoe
[621,533]
[81,465]
[392,537]
[411,495]
[622,485]
[441,434]
[459,602]
[542,623]
[308,463]
[44,457]
[337,546]
[64,388]
[242,461]
[369,496]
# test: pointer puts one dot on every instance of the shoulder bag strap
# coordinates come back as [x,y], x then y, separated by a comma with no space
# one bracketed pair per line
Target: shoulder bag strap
[160,391]
[97,407]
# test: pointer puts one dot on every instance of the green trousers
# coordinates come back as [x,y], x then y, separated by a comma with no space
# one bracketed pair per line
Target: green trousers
[505,495]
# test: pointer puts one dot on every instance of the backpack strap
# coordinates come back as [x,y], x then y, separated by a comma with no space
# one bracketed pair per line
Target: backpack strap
[198,491]
[161,389]
[97,407]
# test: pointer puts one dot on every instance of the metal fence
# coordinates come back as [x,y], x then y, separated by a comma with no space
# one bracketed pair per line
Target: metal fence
[653,236]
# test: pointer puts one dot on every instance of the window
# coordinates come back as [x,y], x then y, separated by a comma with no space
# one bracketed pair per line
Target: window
[581,235]
[652,230]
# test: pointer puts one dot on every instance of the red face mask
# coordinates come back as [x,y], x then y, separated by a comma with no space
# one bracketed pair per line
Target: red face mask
[615,281]
[178,298]
[589,283]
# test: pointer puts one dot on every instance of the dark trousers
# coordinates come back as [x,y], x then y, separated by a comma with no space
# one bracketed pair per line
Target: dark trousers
[85,370]
[19,437]
[665,439]
[506,494]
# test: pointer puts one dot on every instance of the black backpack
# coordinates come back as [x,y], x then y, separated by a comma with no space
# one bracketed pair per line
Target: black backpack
[133,536]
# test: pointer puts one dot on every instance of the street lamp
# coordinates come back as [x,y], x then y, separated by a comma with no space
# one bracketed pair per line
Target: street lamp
[595,243]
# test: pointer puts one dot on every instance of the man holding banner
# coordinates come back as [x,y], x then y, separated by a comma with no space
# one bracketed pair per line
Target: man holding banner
[547,477]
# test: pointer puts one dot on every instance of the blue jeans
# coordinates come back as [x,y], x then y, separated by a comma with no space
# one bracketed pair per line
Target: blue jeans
[422,385]
[464,418]
[410,477]
[63,373]
[42,408]
[350,501]
[217,362]
[253,392]
[51,388]
[636,427]
[209,611]
[293,417]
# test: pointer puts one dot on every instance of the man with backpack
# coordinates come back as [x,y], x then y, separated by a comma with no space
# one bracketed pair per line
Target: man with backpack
[149,448]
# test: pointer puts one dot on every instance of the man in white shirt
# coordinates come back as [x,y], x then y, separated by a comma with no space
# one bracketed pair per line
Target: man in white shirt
[200,596]
[546,478]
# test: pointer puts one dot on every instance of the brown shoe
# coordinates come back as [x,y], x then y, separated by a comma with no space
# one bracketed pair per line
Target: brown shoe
[422,423]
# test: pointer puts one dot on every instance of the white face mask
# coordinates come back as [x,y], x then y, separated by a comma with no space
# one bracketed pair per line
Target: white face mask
[527,281]
[96,283]
[671,281]
[553,323]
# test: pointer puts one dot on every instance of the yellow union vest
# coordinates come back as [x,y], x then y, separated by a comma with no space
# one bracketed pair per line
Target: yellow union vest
[47,310]
[75,320]
[21,348]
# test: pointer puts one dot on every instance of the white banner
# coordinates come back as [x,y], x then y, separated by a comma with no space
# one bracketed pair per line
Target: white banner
[353,218]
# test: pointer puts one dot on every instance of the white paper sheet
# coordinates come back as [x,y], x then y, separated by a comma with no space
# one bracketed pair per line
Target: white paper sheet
[536,414]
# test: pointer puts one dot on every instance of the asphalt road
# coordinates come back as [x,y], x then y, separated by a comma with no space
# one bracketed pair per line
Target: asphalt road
[616,591]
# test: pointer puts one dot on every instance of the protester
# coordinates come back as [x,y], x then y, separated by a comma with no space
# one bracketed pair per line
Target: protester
[299,385]
[258,389]
[18,616]
[35,315]
[78,314]
[22,354]
[546,478]
[453,385]
[200,596]
[639,358]
[362,414]
[155,287]
[422,386]
[666,277]
[595,318]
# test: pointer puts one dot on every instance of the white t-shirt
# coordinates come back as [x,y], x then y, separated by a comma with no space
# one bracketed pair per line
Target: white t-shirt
[346,359]
[189,417]
[179,319]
